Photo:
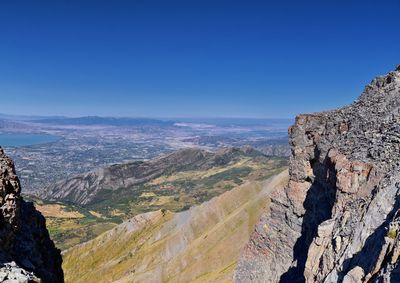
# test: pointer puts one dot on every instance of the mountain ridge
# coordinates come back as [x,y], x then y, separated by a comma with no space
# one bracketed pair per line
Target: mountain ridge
[124,175]
[201,244]
[98,120]
[337,219]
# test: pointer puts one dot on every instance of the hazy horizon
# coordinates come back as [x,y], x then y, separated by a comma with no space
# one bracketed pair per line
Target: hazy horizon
[17,115]
[253,59]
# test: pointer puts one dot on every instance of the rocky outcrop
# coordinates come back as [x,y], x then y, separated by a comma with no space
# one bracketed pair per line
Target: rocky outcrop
[338,219]
[27,253]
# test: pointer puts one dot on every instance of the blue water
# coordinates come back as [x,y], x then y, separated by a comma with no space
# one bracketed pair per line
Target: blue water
[26,139]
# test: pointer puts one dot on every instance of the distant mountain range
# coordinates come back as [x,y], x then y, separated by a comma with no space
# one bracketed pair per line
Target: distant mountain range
[105,121]
[86,120]
[110,120]
[26,117]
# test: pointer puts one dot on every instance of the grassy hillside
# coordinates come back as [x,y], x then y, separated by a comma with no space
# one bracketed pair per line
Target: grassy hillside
[198,245]
[70,225]
[196,182]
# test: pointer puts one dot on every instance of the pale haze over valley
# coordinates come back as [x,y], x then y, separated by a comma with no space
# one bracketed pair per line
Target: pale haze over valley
[199,141]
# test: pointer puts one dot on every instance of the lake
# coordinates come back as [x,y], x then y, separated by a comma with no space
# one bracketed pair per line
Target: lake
[26,139]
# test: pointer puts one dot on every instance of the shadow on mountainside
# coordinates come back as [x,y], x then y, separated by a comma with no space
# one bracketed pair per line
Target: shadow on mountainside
[318,205]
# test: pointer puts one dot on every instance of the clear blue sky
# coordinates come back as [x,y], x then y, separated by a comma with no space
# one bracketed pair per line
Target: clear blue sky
[191,58]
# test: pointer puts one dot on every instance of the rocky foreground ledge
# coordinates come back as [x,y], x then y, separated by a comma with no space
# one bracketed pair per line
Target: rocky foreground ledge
[27,253]
[338,218]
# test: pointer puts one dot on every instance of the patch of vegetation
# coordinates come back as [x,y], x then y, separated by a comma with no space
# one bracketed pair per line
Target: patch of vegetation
[392,233]
[154,246]
[176,192]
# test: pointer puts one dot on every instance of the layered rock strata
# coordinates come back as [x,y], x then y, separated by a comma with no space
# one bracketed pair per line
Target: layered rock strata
[338,220]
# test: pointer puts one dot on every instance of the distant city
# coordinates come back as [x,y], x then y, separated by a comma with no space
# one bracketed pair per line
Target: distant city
[50,149]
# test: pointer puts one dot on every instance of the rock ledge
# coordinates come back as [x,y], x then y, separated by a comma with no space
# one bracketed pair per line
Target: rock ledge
[338,220]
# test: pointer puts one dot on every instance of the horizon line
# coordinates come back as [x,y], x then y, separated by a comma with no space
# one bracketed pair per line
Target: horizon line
[139,117]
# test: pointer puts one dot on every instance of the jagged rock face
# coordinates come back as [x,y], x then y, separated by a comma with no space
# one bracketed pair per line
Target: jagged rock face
[338,218]
[27,253]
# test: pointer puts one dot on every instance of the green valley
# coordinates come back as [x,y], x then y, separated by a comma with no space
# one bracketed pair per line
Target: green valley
[196,176]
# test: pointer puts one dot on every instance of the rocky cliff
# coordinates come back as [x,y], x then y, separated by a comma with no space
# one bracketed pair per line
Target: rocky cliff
[338,219]
[27,253]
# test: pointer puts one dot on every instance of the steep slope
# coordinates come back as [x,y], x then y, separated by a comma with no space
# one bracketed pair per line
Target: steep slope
[338,219]
[26,251]
[174,182]
[95,186]
[198,245]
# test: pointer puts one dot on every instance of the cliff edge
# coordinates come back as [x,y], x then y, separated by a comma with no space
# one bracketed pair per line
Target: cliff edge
[27,253]
[338,220]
